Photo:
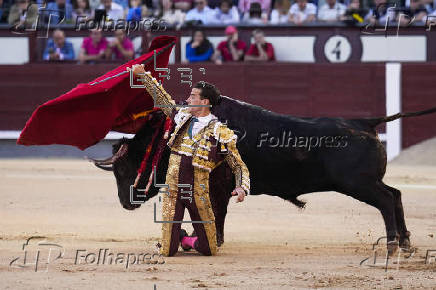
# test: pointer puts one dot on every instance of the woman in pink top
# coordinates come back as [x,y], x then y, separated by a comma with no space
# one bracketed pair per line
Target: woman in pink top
[93,47]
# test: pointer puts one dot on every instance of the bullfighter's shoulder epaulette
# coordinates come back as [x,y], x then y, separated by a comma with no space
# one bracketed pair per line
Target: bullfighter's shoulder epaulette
[223,134]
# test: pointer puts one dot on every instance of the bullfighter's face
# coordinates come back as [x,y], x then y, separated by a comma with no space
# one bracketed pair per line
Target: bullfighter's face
[195,99]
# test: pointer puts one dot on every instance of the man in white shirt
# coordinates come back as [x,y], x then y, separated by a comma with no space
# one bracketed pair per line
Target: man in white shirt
[331,11]
[114,11]
[201,12]
[302,12]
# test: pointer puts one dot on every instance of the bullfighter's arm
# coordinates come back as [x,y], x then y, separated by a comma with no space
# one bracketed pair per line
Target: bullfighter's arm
[233,158]
[161,98]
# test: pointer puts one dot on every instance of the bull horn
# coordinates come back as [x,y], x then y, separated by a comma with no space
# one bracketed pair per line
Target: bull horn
[105,167]
[112,159]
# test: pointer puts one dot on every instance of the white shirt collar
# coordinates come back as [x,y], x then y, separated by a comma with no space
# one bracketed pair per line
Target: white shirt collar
[206,118]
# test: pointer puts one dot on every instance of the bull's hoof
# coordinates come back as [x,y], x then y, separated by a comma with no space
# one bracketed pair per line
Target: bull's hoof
[392,247]
[405,242]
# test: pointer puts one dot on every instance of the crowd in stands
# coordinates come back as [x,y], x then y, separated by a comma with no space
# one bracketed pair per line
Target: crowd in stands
[199,49]
[221,12]
[198,13]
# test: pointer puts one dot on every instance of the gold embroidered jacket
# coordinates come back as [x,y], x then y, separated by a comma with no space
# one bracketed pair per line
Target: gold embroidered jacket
[213,144]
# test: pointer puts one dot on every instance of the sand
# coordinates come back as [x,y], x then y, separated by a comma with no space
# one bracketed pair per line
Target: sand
[423,153]
[269,243]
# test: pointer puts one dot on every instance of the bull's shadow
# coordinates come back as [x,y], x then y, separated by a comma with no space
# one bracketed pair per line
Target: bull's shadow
[286,157]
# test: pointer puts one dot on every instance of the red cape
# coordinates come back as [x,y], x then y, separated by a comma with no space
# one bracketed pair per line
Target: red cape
[84,115]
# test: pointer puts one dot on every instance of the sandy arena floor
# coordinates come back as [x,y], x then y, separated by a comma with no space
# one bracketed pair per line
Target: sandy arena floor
[269,243]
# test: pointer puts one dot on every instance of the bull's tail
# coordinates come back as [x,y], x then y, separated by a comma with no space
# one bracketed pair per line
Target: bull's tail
[376,121]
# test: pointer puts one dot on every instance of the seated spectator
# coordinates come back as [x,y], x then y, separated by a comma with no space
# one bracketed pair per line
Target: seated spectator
[226,13]
[93,47]
[244,6]
[415,11]
[82,9]
[379,13]
[23,14]
[199,48]
[121,48]
[136,11]
[260,50]
[354,14]
[331,11]
[232,49]
[64,12]
[113,10]
[280,13]
[201,13]
[171,15]
[183,5]
[302,12]
[58,48]
[255,16]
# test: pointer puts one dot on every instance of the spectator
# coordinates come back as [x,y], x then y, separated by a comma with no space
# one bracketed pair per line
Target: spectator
[280,13]
[260,50]
[379,13]
[171,15]
[63,14]
[58,48]
[331,11]
[183,5]
[113,10]
[255,15]
[226,13]
[82,9]
[93,47]
[121,48]
[201,13]
[302,12]
[415,11]
[244,6]
[23,14]
[136,11]
[199,48]
[354,14]
[232,49]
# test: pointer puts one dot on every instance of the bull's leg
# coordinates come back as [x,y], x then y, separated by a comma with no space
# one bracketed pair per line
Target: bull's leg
[382,199]
[399,215]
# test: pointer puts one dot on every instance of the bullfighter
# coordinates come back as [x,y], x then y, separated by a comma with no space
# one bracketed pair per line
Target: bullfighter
[199,143]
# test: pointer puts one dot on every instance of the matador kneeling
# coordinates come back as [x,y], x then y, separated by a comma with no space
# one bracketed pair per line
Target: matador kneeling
[199,143]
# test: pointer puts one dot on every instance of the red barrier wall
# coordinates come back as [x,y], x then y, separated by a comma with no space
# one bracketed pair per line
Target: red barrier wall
[342,90]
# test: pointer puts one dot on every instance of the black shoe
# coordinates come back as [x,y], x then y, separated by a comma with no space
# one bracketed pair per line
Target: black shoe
[183,234]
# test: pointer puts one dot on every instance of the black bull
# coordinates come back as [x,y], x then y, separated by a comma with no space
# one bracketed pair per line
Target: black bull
[286,156]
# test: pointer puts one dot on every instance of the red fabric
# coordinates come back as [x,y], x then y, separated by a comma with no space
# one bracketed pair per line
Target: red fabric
[269,49]
[84,115]
[225,51]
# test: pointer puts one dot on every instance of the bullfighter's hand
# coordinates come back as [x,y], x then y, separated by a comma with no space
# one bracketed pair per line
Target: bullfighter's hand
[137,69]
[240,192]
